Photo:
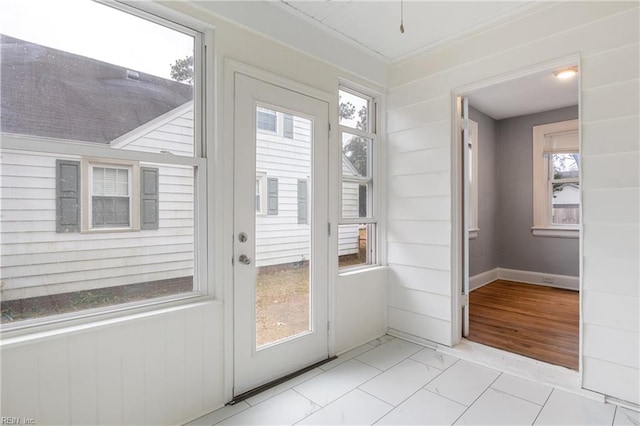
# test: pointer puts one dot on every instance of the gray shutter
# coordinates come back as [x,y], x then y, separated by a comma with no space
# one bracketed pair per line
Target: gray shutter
[287,130]
[67,196]
[302,201]
[272,196]
[149,199]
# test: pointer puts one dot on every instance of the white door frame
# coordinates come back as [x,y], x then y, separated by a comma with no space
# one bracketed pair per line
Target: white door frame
[224,173]
[457,195]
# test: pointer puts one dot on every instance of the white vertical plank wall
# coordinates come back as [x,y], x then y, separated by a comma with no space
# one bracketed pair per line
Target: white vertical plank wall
[606,35]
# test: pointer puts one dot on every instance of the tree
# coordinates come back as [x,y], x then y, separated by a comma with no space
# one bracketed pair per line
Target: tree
[182,69]
[356,148]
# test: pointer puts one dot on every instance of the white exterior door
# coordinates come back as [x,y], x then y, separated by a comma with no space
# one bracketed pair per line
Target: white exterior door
[280,232]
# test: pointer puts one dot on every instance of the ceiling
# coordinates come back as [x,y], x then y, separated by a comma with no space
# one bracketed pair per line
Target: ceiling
[373,27]
[529,94]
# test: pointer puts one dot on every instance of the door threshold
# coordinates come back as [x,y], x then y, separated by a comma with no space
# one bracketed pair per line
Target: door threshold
[517,365]
[276,382]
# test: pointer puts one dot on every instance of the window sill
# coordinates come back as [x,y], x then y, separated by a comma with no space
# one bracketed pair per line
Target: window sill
[353,270]
[555,232]
[54,325]
[473,233]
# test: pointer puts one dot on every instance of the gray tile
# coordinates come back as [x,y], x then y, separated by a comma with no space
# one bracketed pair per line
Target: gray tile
[463,382]
[434,358]
[389,354]
[400,381]
[336,382]
[525,389]
[354,408]
[219,415]
[424,408]
[499,408]
[286,408]
[626,417]
[569,409]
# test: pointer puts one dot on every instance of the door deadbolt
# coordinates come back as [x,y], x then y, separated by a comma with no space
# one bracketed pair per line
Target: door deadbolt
[242,237]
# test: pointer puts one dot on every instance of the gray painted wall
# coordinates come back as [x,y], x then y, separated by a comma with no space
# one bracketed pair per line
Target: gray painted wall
[505,205]
[483,250]
[517,248]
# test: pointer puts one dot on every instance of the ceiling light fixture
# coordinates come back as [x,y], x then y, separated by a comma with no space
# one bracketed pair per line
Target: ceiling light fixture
[401,17]
[566,72]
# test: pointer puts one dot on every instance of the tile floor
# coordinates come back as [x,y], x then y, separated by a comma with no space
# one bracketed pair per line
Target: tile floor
[394,382]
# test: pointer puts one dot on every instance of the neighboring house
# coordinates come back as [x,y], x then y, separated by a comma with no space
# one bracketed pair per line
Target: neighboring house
[87,218]
[70,221]
[283,187]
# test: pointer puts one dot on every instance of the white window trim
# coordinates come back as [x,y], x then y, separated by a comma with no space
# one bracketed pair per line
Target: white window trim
[86,220]
[373,257]
[542,226]
[474,227]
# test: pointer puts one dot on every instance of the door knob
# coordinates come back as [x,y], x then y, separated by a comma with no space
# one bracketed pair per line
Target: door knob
[244,259]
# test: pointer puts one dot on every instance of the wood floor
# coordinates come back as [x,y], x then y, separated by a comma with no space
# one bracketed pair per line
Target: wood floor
[531,320]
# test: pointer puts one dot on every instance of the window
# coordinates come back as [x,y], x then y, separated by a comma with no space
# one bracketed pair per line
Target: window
[101,165]
[358,223]
[278,123]
[556,179]
[267,120]
[110,197]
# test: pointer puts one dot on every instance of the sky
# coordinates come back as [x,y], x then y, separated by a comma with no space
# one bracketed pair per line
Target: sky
[97,31]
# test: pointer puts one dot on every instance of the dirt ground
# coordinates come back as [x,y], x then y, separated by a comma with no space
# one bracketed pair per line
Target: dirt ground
[282,301]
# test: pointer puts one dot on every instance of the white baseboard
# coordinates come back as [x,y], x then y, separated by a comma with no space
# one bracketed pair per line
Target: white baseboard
[538,278]
[483,278]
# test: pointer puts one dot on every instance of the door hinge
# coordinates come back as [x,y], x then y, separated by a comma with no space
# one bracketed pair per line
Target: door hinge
[329,228]
[328,327]
[464,124]
[464,300]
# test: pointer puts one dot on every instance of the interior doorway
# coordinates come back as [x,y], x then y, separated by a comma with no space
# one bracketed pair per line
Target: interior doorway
[520,214]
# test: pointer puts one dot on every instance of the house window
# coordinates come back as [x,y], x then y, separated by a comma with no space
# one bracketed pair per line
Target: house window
[358,223]
[267,120]
[110,197]
[556,179]
[100,183]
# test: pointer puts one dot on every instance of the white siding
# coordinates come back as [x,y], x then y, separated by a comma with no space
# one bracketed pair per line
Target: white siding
[172,132]
[36,260]
[419,121]
[280,238]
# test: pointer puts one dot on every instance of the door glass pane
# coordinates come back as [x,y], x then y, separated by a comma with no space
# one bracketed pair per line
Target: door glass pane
[283,227]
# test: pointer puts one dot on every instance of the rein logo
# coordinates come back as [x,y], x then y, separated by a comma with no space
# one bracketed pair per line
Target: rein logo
[17,421]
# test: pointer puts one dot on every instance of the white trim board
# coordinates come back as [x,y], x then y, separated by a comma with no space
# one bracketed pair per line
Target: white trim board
[538,278]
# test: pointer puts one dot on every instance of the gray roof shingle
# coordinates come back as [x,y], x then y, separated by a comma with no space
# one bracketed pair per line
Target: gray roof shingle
[52,93]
